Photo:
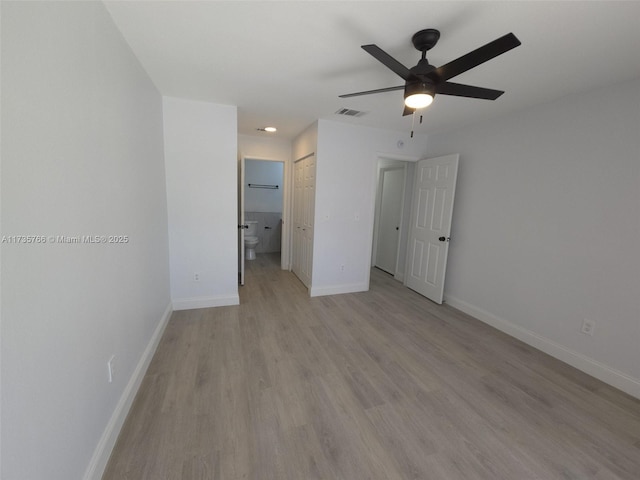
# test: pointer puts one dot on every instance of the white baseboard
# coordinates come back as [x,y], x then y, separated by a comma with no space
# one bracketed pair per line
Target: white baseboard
[102,452]
[338,289]
[205,302]
[613,377]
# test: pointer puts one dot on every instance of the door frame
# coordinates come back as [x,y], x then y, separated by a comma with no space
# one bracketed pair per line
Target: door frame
[376,221]
[241,223]
[286,206]
[381,159]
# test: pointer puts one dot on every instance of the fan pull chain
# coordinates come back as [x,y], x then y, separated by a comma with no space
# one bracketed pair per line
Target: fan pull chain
[413,122]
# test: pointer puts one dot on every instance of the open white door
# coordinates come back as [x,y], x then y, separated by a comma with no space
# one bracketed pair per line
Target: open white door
[432,207]
[241,225]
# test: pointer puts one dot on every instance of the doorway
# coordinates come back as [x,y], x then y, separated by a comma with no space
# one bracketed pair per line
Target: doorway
[393,205]
[262,213]
[389,218]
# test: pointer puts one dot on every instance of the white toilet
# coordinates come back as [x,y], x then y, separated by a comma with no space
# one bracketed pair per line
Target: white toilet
[251,239]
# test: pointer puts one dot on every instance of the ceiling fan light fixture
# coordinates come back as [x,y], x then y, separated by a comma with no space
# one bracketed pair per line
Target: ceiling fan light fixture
[418,100]
[418,95]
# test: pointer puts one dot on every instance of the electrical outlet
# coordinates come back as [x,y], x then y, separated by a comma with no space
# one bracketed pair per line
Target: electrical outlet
[196,277]
[588,326]
[111,368]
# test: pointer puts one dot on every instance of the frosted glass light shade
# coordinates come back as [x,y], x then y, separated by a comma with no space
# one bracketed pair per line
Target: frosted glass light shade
[418,100]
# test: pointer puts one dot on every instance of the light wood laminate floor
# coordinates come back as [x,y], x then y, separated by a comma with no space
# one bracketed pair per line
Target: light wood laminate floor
[379,385]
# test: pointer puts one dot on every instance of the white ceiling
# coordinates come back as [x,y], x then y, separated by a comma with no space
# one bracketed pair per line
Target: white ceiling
[285,63]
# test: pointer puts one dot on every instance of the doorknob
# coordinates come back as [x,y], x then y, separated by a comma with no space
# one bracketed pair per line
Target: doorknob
[444,239]
[397,228]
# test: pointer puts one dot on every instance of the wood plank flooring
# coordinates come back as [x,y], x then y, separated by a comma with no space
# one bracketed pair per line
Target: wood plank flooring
[380,385]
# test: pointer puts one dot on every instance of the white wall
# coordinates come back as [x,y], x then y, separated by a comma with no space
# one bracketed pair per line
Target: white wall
[347,165]
[306,143]
[264,148]
[546,228]
[82,154]
[263,173]
[201,158]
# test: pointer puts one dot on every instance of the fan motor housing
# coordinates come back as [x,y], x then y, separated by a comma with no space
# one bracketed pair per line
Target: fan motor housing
[420,86]
[422,69]
[425,39]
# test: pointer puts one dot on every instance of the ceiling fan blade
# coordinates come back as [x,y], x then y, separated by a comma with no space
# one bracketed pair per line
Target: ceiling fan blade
[460,90]
[368,92]
[477,56]
[407,111]
[387,60]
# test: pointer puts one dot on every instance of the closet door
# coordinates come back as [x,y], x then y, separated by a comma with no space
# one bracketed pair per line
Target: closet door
[303,213]
[298,188]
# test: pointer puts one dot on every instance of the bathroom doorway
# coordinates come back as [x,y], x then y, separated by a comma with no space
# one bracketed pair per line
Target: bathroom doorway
[264,213]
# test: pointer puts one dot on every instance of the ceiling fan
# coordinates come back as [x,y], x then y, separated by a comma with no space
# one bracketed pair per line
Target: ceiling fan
[424,81]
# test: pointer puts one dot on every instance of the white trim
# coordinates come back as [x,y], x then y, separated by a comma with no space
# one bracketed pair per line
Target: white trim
[108,439]
[339,289]
[206,302]
[611,376]
[397,157]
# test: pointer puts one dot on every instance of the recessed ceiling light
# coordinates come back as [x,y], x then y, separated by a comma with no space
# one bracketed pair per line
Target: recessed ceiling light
[267,129]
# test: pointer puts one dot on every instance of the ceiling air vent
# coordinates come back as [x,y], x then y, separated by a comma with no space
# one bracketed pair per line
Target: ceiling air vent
[350,113]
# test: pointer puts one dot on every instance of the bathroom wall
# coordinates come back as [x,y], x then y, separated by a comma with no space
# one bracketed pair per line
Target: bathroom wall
[263,173]
[265,204]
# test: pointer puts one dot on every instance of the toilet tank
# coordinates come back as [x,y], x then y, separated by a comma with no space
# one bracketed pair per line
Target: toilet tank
[252,228]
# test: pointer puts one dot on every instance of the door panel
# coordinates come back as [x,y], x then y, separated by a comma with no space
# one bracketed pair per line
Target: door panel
[439,205]
[433,255]
[416,259]
[423,207]
[303,218]
[434,192]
